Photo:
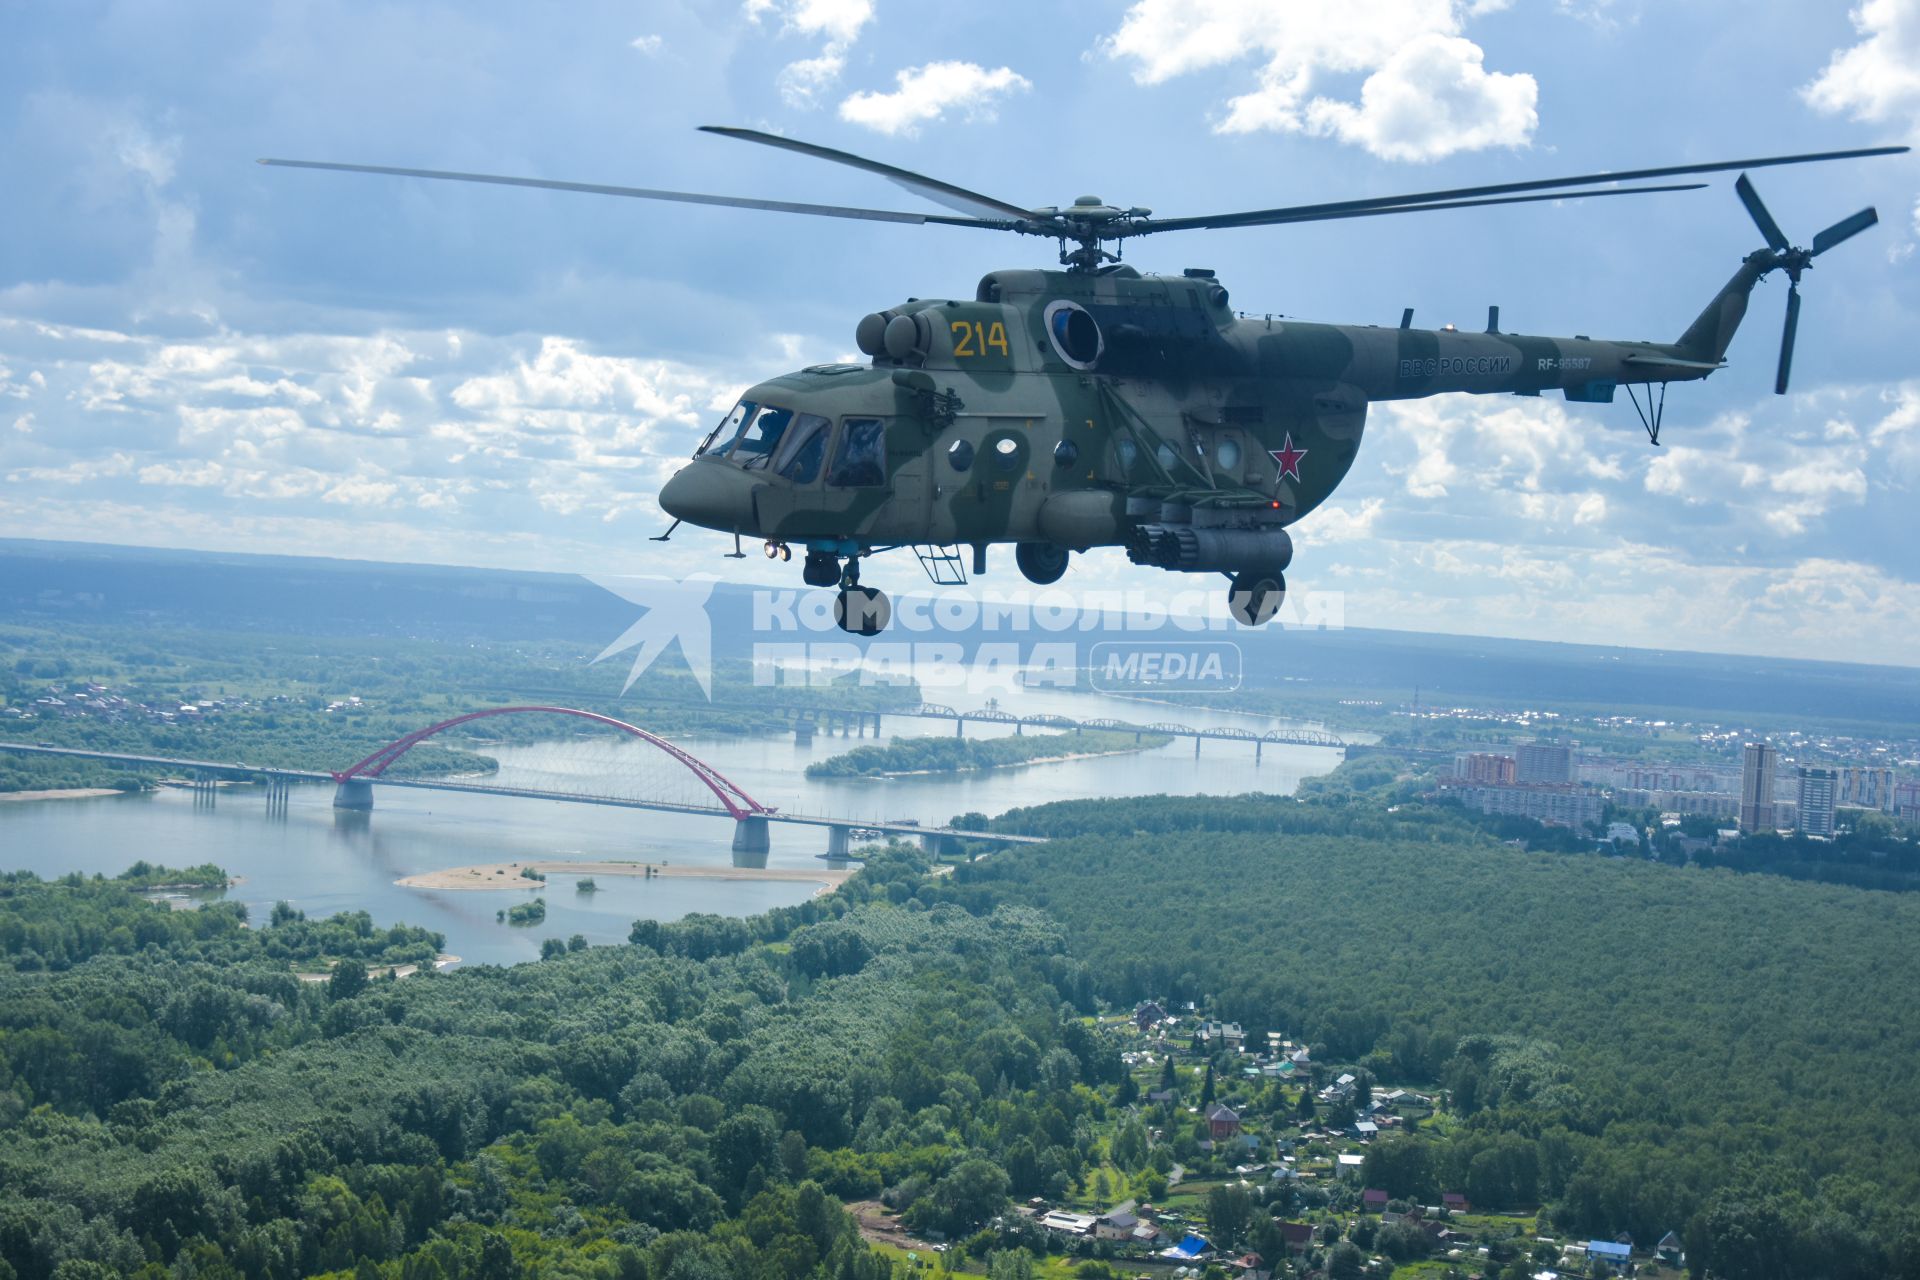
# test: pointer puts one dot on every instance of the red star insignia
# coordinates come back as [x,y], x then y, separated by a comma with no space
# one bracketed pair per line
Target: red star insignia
[1289,459]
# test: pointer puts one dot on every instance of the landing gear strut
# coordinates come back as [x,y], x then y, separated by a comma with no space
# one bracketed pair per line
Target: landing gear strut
[1256,596]
[860,611]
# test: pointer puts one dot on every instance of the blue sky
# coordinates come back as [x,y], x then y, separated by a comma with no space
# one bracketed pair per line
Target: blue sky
[197,351]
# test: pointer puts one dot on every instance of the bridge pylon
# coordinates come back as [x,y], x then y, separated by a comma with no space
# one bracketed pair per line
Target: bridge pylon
[354,793]
[750,834]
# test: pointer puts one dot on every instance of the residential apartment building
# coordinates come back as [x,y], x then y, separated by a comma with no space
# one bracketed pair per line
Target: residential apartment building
[1756,788]
[1819,789]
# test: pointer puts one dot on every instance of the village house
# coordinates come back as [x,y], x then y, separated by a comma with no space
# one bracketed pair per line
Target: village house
[1223,1122]
[1060,1222]
[1374,1200]
[1454,1202]
[1298,1235]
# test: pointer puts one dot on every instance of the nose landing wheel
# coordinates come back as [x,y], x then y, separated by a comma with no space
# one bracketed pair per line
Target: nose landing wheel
[779,551]
[858,610]
[1255,597]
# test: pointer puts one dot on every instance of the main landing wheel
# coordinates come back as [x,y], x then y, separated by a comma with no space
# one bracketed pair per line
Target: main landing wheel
[1254,598]
[862,611]
[1041,562]
[820,569]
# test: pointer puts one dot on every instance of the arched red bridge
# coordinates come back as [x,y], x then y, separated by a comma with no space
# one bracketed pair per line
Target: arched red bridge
[736,802]
[353,786]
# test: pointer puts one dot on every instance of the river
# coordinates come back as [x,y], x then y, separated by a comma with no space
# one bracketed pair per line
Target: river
[323,861]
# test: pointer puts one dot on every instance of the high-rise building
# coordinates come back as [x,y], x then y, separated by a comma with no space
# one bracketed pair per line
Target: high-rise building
[1484,766]
[1545,762]
[1818,790]
[1867,786]
[1756,788]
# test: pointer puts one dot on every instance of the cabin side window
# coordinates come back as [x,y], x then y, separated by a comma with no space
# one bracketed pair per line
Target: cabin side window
[861,459]
[806,449]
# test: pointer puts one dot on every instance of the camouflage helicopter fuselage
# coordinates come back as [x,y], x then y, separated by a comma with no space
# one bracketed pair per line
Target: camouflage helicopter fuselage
[1079,409]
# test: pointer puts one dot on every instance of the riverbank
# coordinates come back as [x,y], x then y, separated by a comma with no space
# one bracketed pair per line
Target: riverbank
[1007,764]
[506,875]
[928,757]
[64,793]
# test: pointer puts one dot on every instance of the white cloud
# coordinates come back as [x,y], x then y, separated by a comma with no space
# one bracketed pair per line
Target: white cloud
[836,19]
[1335,524]
[648,45]
[802,83]
[1426,94]
[928,92]
[1433,97]
[1879,78]
[468,432]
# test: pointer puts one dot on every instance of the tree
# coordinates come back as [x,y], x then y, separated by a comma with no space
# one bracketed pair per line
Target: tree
[349,979]
[1229,1211]
[1010,1264]
[1346,1262]
[973,1192]
[1206,1087]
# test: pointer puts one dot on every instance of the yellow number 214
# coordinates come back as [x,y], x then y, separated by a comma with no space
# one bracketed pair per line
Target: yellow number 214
[971,338]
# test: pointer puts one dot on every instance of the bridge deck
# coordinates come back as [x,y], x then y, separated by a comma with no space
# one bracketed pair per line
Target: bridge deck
[239,767]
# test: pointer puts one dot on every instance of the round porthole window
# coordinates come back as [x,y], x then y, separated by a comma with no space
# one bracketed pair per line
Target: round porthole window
[1167,456]
[960,454]
[1128,452]
[1066,453]
[1074,333]
[1228,454]
[1006,454]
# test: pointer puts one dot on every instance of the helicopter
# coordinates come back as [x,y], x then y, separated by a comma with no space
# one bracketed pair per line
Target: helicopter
[1099,406]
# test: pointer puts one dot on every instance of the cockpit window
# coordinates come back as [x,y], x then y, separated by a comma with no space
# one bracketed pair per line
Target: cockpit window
[729,429]
[861,459]
[759,436]
[806,448]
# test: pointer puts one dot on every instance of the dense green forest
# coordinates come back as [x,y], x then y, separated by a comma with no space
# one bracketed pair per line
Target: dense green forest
[945,754]
[1638,1047]
[686,1106]
[1612,1045]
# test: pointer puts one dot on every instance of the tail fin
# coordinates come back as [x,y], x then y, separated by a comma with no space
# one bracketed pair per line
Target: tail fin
[1708,337]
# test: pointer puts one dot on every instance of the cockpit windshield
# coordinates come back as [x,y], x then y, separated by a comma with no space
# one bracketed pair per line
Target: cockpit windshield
[759,435]
[728,429]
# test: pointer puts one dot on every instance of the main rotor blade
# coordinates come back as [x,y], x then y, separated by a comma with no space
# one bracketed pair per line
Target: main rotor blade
[1757,210]
[1786,341]
[1845,229]
[1260,217]
[1193,224]
[946,193]
[646,193]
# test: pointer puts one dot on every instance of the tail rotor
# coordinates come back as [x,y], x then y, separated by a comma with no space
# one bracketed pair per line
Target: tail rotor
[1794,261]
